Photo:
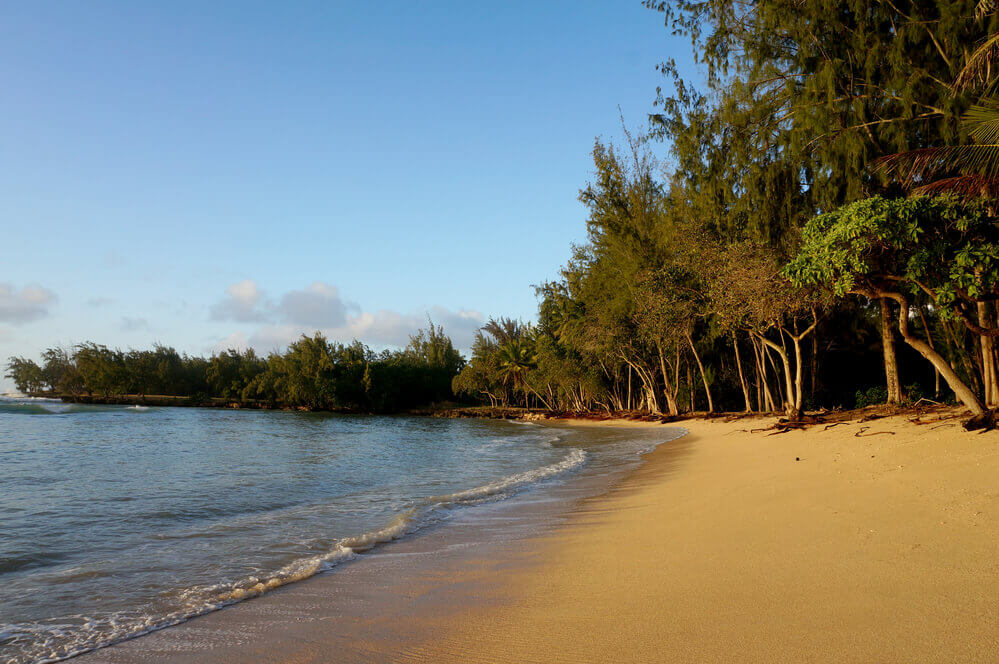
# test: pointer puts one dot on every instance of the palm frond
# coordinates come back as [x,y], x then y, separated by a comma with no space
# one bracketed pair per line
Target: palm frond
[918,167]
[915,166]
[972,186]
[982,121]
[986,7]
[978,69]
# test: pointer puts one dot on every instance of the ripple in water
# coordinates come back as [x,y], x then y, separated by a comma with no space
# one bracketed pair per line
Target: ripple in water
[118,521]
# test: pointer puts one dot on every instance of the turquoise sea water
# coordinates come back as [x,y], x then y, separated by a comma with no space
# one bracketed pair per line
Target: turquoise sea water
[118,520]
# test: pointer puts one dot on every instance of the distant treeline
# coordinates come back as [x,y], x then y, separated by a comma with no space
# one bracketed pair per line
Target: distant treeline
[312,373]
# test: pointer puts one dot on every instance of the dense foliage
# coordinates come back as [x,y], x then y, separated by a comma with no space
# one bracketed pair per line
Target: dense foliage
[774,259]
[312,373]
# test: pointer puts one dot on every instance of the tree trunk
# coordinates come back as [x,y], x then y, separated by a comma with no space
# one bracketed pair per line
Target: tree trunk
[961,351]
[929,340]
[814,374]
[669,392]
[988,357]
[967,397]
[690,388]
[648,384]
[888,351]
[629,387]
[704,378]
[767,403]
[779,395]
[799,378]
[742,377]
[794,400]
[788,397]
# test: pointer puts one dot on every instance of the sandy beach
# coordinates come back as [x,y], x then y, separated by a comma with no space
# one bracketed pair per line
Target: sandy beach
[849,544]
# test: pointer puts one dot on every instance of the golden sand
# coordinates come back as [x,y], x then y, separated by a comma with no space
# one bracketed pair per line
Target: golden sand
[879,548]
[726,546]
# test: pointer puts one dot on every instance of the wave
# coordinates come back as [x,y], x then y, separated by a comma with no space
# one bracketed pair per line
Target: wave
[199,600]
[42,406]
[52,408]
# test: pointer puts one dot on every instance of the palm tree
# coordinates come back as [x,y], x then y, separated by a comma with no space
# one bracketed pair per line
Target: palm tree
[505,330]
[968,170]
[516,360]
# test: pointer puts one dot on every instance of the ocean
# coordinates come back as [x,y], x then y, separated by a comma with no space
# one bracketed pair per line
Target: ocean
[116,521]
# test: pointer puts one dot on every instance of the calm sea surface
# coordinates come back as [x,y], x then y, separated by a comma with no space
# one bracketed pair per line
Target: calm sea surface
[118,520]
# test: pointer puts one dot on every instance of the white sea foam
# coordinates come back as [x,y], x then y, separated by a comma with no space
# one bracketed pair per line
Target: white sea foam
[204,599]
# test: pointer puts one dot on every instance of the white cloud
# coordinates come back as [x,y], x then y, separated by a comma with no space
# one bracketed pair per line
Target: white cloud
[243,303]
[30,304]
[319,307]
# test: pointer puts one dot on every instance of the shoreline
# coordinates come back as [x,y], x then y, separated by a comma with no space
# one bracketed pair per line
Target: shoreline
[845,544]
[487,531]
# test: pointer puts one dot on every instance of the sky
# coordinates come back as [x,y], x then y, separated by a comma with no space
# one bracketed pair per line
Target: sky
[233,174]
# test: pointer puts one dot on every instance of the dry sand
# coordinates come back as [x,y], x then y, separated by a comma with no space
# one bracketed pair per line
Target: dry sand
[721,548]
[882,548]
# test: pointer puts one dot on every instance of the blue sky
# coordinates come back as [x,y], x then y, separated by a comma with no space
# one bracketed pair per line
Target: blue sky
[205,174]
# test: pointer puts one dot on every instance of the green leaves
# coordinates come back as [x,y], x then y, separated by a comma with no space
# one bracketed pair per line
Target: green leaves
[943,244]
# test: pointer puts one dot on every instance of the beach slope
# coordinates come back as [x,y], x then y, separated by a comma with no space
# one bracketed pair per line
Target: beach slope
[849,544]
[863,542]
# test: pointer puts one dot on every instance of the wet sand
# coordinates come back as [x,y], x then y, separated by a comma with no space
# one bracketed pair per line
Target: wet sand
[725,546]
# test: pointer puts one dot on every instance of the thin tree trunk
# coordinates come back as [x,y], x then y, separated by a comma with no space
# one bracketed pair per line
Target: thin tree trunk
[888,351]
[987,357]
[967,397]
[929,340]
[690,388]
[704,378]
[780,395]
[788,395]
[629,387]
[742,377]
[756,380]
[648,384]
[814,374]
[668,392]
[799,378]
[961,351]
[761,371]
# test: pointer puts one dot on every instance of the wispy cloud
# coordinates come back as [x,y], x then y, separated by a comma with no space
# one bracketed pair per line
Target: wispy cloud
[129,324]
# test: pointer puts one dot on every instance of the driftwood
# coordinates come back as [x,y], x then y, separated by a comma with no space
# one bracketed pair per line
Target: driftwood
[861,434]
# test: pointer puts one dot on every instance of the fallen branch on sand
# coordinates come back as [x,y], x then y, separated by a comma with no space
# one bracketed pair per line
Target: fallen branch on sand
[861,434]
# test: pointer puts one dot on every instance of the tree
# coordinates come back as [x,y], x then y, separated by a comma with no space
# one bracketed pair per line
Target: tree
[27,376]
[941,248]
[750,293]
